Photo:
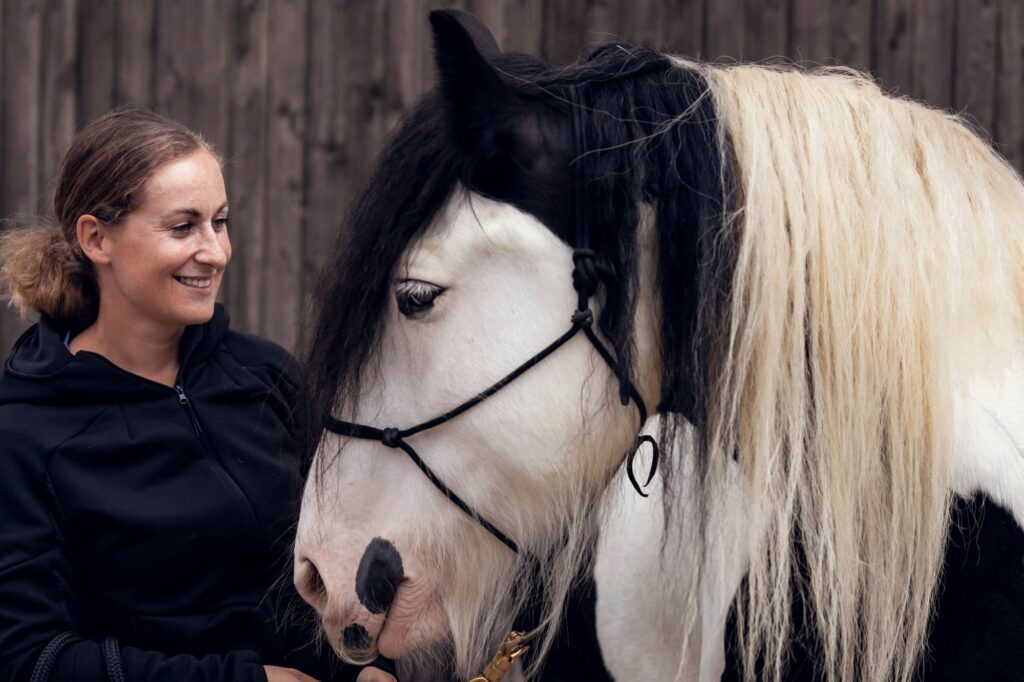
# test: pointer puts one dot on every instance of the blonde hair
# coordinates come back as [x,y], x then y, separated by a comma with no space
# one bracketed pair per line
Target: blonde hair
[103,173]
[879,249]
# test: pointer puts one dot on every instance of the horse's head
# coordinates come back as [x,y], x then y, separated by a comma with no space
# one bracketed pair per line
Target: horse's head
[457,268]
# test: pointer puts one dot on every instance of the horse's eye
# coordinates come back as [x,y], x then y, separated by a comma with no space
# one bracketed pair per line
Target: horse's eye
[415,298]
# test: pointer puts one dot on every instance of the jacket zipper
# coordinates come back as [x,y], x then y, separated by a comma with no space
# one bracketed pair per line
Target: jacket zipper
[185,403]
[207,449]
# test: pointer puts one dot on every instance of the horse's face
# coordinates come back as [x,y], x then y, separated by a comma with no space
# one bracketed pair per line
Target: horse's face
[388,561]
[374,524]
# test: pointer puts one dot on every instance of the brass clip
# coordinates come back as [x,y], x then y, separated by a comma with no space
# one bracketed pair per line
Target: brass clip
[510,650]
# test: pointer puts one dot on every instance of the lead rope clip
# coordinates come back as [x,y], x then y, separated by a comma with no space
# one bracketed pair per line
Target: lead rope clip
[511,649]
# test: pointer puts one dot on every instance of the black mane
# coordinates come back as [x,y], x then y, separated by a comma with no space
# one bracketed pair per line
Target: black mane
[639,149]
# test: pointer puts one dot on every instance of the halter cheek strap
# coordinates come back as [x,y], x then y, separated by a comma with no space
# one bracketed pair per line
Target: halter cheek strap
[586,274]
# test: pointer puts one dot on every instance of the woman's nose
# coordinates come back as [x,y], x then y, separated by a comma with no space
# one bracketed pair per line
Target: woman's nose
[214,248]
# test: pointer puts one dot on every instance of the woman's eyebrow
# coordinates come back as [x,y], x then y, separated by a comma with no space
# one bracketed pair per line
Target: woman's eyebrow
[192,212]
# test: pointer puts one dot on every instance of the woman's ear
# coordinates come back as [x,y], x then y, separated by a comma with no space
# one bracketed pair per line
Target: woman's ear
[92,237]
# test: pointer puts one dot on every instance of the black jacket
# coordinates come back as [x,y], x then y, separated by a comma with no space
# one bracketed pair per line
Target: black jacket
[159,516]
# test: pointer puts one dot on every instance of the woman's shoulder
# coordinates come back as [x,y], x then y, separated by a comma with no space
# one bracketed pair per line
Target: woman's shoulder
[262,356]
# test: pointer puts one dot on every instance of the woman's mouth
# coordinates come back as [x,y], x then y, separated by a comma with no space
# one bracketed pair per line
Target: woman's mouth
[196,282]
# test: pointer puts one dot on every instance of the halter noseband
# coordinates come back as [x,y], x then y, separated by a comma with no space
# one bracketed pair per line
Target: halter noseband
[588,273]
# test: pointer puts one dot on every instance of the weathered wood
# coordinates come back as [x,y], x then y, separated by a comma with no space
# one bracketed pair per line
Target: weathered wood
[773,33]
[892,45]
[640,22]
[564,30]
[1009,121]
[283,201]
[974,82]
[851,33]
[95,59]
[810,39]
[19,124]
[523,21]
[347,117]
[133,52]
[57,101]
[299,133]
[934,31]
[726,27]
[171,61]
[247,163]
[683,27]
[210,71]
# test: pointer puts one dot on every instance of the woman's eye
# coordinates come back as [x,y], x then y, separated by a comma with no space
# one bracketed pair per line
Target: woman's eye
[182,228]
[220,223]
[415,298]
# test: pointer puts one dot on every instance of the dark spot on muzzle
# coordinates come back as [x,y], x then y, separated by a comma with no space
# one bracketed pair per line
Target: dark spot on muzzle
[380,571]
[355,636]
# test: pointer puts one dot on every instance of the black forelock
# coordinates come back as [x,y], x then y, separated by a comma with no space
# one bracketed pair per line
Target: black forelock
[639,150]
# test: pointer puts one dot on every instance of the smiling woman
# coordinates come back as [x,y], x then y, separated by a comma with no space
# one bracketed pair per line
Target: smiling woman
[149,452]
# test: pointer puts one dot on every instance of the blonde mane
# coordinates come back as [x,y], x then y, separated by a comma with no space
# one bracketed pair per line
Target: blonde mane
[880,261]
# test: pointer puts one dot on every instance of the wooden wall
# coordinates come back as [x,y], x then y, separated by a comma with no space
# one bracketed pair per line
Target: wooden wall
[297,95]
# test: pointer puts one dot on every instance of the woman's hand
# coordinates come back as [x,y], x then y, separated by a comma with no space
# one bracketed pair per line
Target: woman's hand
[371,674]
[276,674]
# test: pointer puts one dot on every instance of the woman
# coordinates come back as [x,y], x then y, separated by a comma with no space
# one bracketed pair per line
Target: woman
[148,451]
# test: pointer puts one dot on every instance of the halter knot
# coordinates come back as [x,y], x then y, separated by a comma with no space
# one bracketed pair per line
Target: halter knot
[583,318]
[588,272]
[390,437]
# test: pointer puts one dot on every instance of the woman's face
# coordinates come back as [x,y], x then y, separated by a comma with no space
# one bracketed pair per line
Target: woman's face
[167,257]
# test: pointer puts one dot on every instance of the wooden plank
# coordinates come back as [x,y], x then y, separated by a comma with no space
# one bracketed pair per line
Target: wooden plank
[974,80]
[95,59]
[1009,116]
[247,161]
[20,43]
[20,103]
[725,30]
[283,205]
[58,97]
[641,22]
[209,71]
[851,33]
[933,51]
[406,62]
[810,38]
[523,26]
[892,45]
[171,62]
[564,30]
[683,27]
[135,23]
[355,96]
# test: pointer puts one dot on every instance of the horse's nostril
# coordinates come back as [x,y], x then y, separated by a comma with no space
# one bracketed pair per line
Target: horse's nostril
[380,571]
[355,636]
[309,584]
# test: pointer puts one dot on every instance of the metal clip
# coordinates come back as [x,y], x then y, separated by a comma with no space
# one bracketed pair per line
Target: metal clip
[511,649]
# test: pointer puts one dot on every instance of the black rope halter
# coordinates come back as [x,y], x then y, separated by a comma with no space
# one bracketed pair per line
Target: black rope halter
[589,272]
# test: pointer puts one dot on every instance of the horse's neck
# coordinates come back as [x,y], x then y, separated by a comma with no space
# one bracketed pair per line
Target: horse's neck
[988,445]
[642,605]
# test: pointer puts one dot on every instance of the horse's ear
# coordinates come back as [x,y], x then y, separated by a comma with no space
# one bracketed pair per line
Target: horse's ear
[479,100]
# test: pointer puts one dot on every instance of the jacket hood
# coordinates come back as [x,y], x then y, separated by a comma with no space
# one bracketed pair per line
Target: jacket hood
[41,369]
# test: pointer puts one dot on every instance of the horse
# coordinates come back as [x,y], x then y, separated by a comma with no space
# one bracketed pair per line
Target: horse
[753,332]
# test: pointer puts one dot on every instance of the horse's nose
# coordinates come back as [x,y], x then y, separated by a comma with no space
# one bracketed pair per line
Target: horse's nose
[378,575]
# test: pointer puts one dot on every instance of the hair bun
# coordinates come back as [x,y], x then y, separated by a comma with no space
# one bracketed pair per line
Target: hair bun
[44,273]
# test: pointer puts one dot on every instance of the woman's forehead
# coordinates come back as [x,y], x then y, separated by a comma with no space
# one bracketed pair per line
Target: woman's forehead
[192,182]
